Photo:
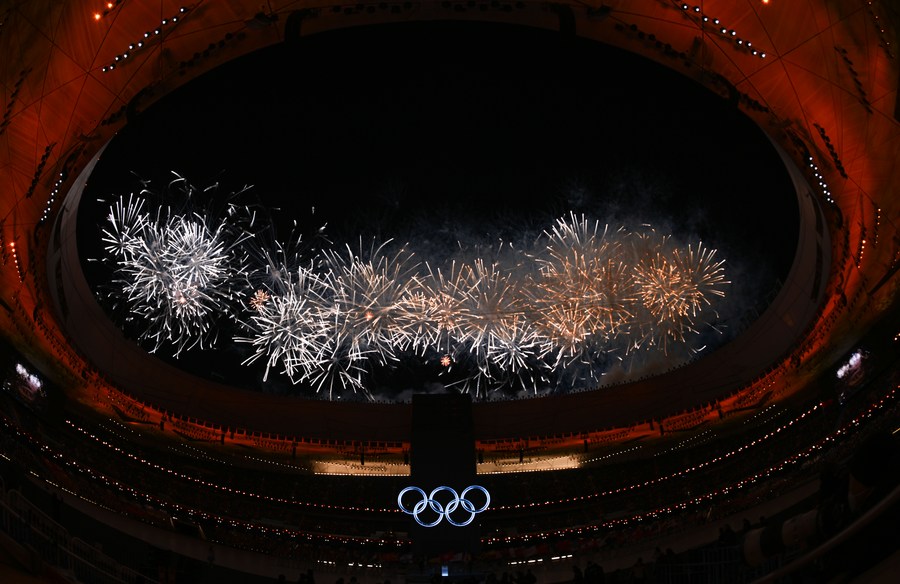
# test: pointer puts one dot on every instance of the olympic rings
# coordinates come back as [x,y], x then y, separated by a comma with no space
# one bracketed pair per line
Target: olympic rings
[442,510]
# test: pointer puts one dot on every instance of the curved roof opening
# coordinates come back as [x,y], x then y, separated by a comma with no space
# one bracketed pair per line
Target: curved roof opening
[483,138]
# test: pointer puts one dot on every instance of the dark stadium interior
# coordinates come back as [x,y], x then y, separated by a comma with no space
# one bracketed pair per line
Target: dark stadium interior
[766,129]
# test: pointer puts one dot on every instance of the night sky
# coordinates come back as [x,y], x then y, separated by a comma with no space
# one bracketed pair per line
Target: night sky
[440,133]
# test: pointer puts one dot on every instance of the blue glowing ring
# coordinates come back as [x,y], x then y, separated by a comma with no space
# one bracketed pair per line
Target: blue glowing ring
[418,507]
[467,505]
[444,510]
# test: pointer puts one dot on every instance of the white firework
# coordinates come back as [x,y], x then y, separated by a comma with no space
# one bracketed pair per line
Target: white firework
[175,272]
[338,365]
[327,319]
[287,331]
[126,221]
[493,327]
[272,261]
[435,305]
[367,297]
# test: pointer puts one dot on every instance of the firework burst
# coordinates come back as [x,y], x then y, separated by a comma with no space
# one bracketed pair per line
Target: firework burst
[287,330]
[259,299]
[492,327]
[436,304]
[367,294]
[674,285]
[583,290]
[175,271]
[552,314]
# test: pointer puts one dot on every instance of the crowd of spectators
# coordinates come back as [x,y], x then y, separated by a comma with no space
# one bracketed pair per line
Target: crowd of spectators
[271,502]
[47,462]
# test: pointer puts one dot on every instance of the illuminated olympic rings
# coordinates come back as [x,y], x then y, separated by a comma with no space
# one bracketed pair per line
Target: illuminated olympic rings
[443,510]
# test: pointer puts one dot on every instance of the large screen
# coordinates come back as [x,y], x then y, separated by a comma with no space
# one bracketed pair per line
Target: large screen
[444,501]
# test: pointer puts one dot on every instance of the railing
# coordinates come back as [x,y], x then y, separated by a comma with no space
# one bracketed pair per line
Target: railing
[38,521]
[844,536]
[34,530]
